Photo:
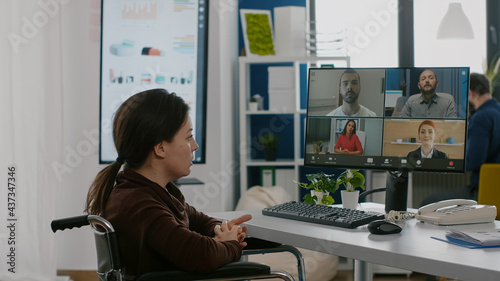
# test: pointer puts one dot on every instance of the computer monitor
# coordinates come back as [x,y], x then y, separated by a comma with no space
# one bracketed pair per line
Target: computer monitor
[153,44]
[396,127]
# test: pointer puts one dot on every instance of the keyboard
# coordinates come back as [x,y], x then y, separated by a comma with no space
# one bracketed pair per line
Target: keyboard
[322,214]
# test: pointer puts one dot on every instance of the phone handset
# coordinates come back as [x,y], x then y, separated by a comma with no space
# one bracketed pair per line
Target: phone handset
[445,203]
[456,211]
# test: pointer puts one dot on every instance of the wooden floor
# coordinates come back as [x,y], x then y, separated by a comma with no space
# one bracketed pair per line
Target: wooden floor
[347,275]
[79,275]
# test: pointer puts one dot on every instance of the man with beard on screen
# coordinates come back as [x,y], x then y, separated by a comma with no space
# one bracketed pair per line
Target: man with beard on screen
[350,87]
[428,103]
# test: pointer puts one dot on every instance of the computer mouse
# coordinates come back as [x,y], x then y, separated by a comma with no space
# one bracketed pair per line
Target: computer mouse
[383,227]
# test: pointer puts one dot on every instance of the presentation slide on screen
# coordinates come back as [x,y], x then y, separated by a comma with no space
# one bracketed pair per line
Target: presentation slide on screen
[150,44]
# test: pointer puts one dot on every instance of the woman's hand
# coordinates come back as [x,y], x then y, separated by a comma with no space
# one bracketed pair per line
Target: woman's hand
[343,151]
[242,229]
[225,233]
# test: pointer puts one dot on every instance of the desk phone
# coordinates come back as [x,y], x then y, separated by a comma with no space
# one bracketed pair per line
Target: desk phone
[456,211]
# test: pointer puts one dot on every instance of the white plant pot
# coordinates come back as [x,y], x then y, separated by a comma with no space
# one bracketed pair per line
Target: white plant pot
[349,199]
[253,106]
[318,194]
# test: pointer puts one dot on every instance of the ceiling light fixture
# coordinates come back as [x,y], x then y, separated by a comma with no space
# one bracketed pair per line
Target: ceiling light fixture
[455,24]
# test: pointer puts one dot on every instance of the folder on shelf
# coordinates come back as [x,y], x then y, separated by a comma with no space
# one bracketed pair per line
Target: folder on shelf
[267,176]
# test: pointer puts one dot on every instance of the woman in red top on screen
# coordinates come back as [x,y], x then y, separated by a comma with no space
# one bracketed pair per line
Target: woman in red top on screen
[348,142]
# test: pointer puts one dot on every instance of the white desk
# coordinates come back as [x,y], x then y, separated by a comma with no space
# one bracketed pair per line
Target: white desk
[412,249]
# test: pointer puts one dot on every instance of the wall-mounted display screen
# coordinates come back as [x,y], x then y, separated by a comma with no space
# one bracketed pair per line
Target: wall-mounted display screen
[399,119]
[148,44]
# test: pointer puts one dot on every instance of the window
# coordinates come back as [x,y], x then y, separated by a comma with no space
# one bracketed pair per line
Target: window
[371,29]
[372,32]
[430,51]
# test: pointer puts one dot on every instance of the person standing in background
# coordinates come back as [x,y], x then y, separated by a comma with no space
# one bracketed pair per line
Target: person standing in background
[483,138]
[483,143]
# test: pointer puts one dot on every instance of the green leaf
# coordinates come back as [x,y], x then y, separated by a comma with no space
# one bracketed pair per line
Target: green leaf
[308,198]
[320,182]
[327,200]
[356,180]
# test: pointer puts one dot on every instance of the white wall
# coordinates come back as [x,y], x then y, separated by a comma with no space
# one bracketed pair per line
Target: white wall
[81,61]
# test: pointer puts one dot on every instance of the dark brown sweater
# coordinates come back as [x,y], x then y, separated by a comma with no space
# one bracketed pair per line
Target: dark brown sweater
[158,230]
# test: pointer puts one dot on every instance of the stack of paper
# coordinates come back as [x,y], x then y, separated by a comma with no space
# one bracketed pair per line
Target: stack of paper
[475,238]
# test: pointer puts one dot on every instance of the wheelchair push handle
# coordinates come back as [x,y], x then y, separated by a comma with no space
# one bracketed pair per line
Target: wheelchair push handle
[69,223]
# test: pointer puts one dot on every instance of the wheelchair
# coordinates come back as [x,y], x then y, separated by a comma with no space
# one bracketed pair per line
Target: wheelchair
[109,267]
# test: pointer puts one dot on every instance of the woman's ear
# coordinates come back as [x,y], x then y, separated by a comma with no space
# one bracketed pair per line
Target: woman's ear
[160,149]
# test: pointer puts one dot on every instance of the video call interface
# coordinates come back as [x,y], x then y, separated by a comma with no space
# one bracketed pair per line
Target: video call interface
[402,119]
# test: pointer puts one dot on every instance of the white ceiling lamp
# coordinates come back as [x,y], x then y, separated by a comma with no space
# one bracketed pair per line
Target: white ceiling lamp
[455,24]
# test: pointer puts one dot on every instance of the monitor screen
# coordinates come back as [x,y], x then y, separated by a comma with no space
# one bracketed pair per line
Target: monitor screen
[153,44]
[396,119]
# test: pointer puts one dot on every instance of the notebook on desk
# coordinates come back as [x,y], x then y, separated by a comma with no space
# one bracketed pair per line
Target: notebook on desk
[473,239]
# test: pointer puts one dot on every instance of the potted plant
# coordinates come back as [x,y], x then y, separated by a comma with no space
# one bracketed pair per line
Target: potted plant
[253,105]
[269,143]
[351,179]
[492,71]
[321,185]
[318,146]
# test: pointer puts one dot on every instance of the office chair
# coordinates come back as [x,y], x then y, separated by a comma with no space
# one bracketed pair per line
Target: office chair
[488,192]
[362,139]
[109,267]
[400,102]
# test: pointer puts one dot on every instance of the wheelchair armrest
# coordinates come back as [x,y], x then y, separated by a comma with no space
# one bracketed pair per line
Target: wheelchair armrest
[259,246]
[256,243]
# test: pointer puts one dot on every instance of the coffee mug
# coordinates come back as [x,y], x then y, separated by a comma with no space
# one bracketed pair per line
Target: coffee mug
[451,140]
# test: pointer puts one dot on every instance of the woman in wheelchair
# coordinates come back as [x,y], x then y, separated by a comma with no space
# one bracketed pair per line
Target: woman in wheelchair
[156,228]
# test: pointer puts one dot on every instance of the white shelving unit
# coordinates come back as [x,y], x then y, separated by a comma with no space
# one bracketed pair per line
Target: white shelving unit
[245,141]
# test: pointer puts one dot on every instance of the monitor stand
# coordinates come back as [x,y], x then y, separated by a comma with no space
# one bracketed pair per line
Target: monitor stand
[396,192]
